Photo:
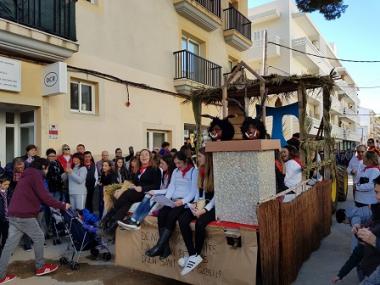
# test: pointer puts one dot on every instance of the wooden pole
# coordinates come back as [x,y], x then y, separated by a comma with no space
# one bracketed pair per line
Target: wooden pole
[224,100]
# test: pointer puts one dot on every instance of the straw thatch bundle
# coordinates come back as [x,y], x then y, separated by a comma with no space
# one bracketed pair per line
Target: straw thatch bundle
[113,192]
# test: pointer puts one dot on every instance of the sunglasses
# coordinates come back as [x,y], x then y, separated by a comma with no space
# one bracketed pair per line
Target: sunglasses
[66,148]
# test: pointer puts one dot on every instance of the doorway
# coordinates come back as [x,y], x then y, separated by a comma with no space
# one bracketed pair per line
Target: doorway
[17,130]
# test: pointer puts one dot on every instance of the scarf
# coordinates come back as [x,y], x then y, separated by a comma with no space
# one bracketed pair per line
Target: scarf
[187,168]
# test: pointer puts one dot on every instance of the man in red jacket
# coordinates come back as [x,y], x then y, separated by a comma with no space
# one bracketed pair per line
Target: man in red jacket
[24,207]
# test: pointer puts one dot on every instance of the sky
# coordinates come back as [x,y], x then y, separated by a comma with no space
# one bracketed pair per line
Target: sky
[356,35]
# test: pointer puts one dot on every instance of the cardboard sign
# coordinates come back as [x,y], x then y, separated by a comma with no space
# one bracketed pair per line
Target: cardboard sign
[222,264]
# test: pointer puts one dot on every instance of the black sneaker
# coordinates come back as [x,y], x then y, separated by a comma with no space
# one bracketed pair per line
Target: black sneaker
[129,224]
[27,248]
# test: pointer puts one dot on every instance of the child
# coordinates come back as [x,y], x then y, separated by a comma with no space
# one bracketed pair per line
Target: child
[4,224]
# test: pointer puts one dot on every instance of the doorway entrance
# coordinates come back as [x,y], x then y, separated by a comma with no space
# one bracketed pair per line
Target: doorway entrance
[17,130]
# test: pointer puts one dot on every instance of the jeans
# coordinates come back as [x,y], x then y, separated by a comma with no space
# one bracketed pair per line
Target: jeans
[17,228]
[142,210]
[125,201]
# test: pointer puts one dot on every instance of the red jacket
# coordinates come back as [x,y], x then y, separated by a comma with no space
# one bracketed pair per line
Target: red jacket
[63,162]
[29,194]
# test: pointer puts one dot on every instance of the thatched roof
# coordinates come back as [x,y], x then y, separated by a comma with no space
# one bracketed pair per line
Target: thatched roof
[275,85]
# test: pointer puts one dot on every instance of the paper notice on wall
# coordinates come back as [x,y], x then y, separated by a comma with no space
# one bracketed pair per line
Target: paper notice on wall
[10,74]
[53,132]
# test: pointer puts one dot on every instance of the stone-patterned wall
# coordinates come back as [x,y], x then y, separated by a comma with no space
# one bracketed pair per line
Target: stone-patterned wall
[242,180]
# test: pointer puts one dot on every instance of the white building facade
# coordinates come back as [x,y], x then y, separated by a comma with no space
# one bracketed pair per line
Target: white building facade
[288,27]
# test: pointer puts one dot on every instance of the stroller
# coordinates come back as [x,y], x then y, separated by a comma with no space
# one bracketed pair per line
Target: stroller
[57,226]
[82,236]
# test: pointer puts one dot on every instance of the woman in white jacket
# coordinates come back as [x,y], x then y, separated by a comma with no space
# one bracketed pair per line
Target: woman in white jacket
[182,190]
[365,187]
[76,177]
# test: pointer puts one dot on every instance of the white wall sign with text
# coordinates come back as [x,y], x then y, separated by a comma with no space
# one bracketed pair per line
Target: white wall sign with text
[54,79]
[10,74]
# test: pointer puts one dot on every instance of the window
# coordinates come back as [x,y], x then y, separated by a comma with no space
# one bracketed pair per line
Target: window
[155,138]
[82,97]
[258,35]
[190,45]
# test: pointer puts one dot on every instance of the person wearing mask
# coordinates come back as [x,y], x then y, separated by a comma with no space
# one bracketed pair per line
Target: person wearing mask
[65,158]
[253,129]
[167,167]
[99,164]
[121,171]
[365,187]
[4,202]
[76,178]
[81,148]
[91,179]
[182,190]
[203,212]
[148,177]
[23,209]
[356,164]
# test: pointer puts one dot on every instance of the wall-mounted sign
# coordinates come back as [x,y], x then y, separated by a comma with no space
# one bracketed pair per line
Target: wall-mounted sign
[54,79]
[53,132]
[10,74]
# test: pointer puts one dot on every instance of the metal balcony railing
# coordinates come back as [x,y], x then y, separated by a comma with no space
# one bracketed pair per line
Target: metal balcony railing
[191,66]
[213,6]
[233,19]
[55,17]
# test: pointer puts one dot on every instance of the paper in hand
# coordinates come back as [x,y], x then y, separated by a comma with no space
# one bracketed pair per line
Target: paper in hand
[162,200]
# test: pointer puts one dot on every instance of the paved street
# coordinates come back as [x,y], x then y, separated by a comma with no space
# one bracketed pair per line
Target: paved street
[327,260]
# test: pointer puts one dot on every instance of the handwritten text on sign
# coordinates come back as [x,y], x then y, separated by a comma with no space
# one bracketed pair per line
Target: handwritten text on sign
[10,74]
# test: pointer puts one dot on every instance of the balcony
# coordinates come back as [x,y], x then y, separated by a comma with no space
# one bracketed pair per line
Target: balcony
[349,114]
[40,29]
[237,29]
[350,92]
[336,105]
[204,13]
[193,71]
[304,45]
[337,132]
[351,135]
[256,52]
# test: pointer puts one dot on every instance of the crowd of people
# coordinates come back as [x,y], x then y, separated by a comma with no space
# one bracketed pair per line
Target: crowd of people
[364,216]
[73,179]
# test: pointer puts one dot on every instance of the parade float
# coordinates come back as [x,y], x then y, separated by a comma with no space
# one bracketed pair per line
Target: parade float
[260,236]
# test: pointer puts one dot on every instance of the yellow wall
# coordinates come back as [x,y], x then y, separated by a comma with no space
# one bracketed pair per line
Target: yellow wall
[133,40]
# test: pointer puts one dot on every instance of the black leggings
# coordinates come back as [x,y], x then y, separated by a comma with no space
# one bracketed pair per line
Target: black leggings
[125,202]
[200,229]
[167,217]
[4,226]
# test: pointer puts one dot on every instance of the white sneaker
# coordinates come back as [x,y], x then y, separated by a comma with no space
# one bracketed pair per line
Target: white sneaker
[191,263]
[182,261]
